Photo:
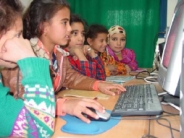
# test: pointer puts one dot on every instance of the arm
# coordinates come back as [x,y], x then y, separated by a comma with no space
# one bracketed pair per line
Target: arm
[130,54]
[100,69]
[10,79]
[74,80]
[38,108]
[86,68]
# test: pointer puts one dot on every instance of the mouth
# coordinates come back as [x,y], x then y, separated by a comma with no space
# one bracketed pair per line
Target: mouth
[79,44]
[67,37]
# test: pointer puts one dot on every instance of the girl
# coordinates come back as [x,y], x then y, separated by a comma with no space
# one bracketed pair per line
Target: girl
[116,49]
[47,26]
[24,118]
[82,58]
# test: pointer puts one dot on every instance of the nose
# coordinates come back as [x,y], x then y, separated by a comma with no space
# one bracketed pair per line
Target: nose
[119,42]
[105,43]
[69,28]
[80,37]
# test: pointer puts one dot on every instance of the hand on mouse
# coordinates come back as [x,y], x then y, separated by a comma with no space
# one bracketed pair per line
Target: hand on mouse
[78,106]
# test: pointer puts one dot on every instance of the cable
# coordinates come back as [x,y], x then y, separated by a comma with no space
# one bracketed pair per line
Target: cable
[165,125]
[157,118]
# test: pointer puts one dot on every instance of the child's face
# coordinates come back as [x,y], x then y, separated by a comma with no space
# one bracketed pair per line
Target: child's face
[99,43]
[57,30]
[14,31]
[117,42]
[77,35]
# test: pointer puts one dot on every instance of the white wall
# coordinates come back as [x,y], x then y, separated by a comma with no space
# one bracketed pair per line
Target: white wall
[25,3]
[170,10]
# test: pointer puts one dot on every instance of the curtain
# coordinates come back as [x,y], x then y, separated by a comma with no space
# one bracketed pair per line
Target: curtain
[140,19]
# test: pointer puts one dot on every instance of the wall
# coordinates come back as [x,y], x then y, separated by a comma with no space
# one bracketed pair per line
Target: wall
[26,3]
[170,10]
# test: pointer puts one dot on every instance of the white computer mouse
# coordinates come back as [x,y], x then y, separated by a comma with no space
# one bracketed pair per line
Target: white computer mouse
[102,116]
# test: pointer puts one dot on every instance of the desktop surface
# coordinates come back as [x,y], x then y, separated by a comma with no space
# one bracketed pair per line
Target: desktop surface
[129,127]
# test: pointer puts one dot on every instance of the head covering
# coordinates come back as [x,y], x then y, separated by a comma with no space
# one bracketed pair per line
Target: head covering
[116,29]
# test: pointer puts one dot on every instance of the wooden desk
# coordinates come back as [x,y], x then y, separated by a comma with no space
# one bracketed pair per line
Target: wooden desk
[129,128]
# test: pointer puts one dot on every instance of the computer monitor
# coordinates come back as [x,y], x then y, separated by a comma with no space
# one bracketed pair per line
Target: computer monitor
[182,95]
[170,66]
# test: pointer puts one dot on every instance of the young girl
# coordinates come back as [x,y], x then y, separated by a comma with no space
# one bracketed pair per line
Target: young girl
[82,58]
[24,118]
[121,55]
[47,26]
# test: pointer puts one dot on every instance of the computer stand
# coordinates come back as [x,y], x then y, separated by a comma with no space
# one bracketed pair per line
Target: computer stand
[168,99]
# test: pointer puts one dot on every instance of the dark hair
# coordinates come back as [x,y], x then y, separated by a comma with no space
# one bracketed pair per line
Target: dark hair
[74,18]
[38,12]
[9,12]
[94,30]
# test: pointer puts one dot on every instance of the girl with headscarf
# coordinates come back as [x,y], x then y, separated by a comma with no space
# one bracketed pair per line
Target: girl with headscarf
[117,58]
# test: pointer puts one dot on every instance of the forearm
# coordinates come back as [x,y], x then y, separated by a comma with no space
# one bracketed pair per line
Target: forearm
[75,80]
[39,95]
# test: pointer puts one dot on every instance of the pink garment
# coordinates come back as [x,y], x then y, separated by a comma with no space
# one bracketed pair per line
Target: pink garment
[128,57]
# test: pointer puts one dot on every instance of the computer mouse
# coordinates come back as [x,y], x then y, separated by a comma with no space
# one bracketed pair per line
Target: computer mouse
[102,116]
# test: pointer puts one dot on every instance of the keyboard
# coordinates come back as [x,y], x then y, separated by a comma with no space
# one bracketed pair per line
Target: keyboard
[138,100]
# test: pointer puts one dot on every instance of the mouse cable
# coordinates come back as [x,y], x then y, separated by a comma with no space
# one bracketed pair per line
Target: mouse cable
[143,118]
[148,135]
[170,128]
[157,118]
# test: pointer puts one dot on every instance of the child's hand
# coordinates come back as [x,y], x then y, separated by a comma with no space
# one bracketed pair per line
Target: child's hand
[74,51]
[113,69]
[77,53]
[110,88]
[89,51]
[128,69]
[15,49]
[7,64]
[78,106]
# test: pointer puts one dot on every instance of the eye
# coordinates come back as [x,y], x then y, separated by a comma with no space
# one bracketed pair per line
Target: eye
[74,33]
[101,40]
[64,22]
[18,35]
[114,39]
[123,39]
[83,33]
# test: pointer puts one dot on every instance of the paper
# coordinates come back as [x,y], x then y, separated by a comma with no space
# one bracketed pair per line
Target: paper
[83,94]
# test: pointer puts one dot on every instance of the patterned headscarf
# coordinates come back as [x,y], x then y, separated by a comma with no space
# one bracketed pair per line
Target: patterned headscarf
[116,29]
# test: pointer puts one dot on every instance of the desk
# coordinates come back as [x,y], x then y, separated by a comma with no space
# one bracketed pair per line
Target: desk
[129,128]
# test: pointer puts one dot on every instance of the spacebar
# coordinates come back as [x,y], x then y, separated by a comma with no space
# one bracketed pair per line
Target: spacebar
[132,109]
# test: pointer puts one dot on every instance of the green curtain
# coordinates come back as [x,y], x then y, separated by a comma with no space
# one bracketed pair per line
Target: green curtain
[140,18]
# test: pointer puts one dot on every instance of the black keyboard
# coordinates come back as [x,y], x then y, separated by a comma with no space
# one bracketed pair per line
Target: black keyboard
[138,100]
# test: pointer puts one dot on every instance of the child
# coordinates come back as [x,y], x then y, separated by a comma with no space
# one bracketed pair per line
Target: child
[96,38]
[48,28]
[82,58]
[116,49]
[24,118]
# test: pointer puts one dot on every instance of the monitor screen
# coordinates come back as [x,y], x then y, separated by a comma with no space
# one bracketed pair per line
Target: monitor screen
[170,66]
[182,95]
